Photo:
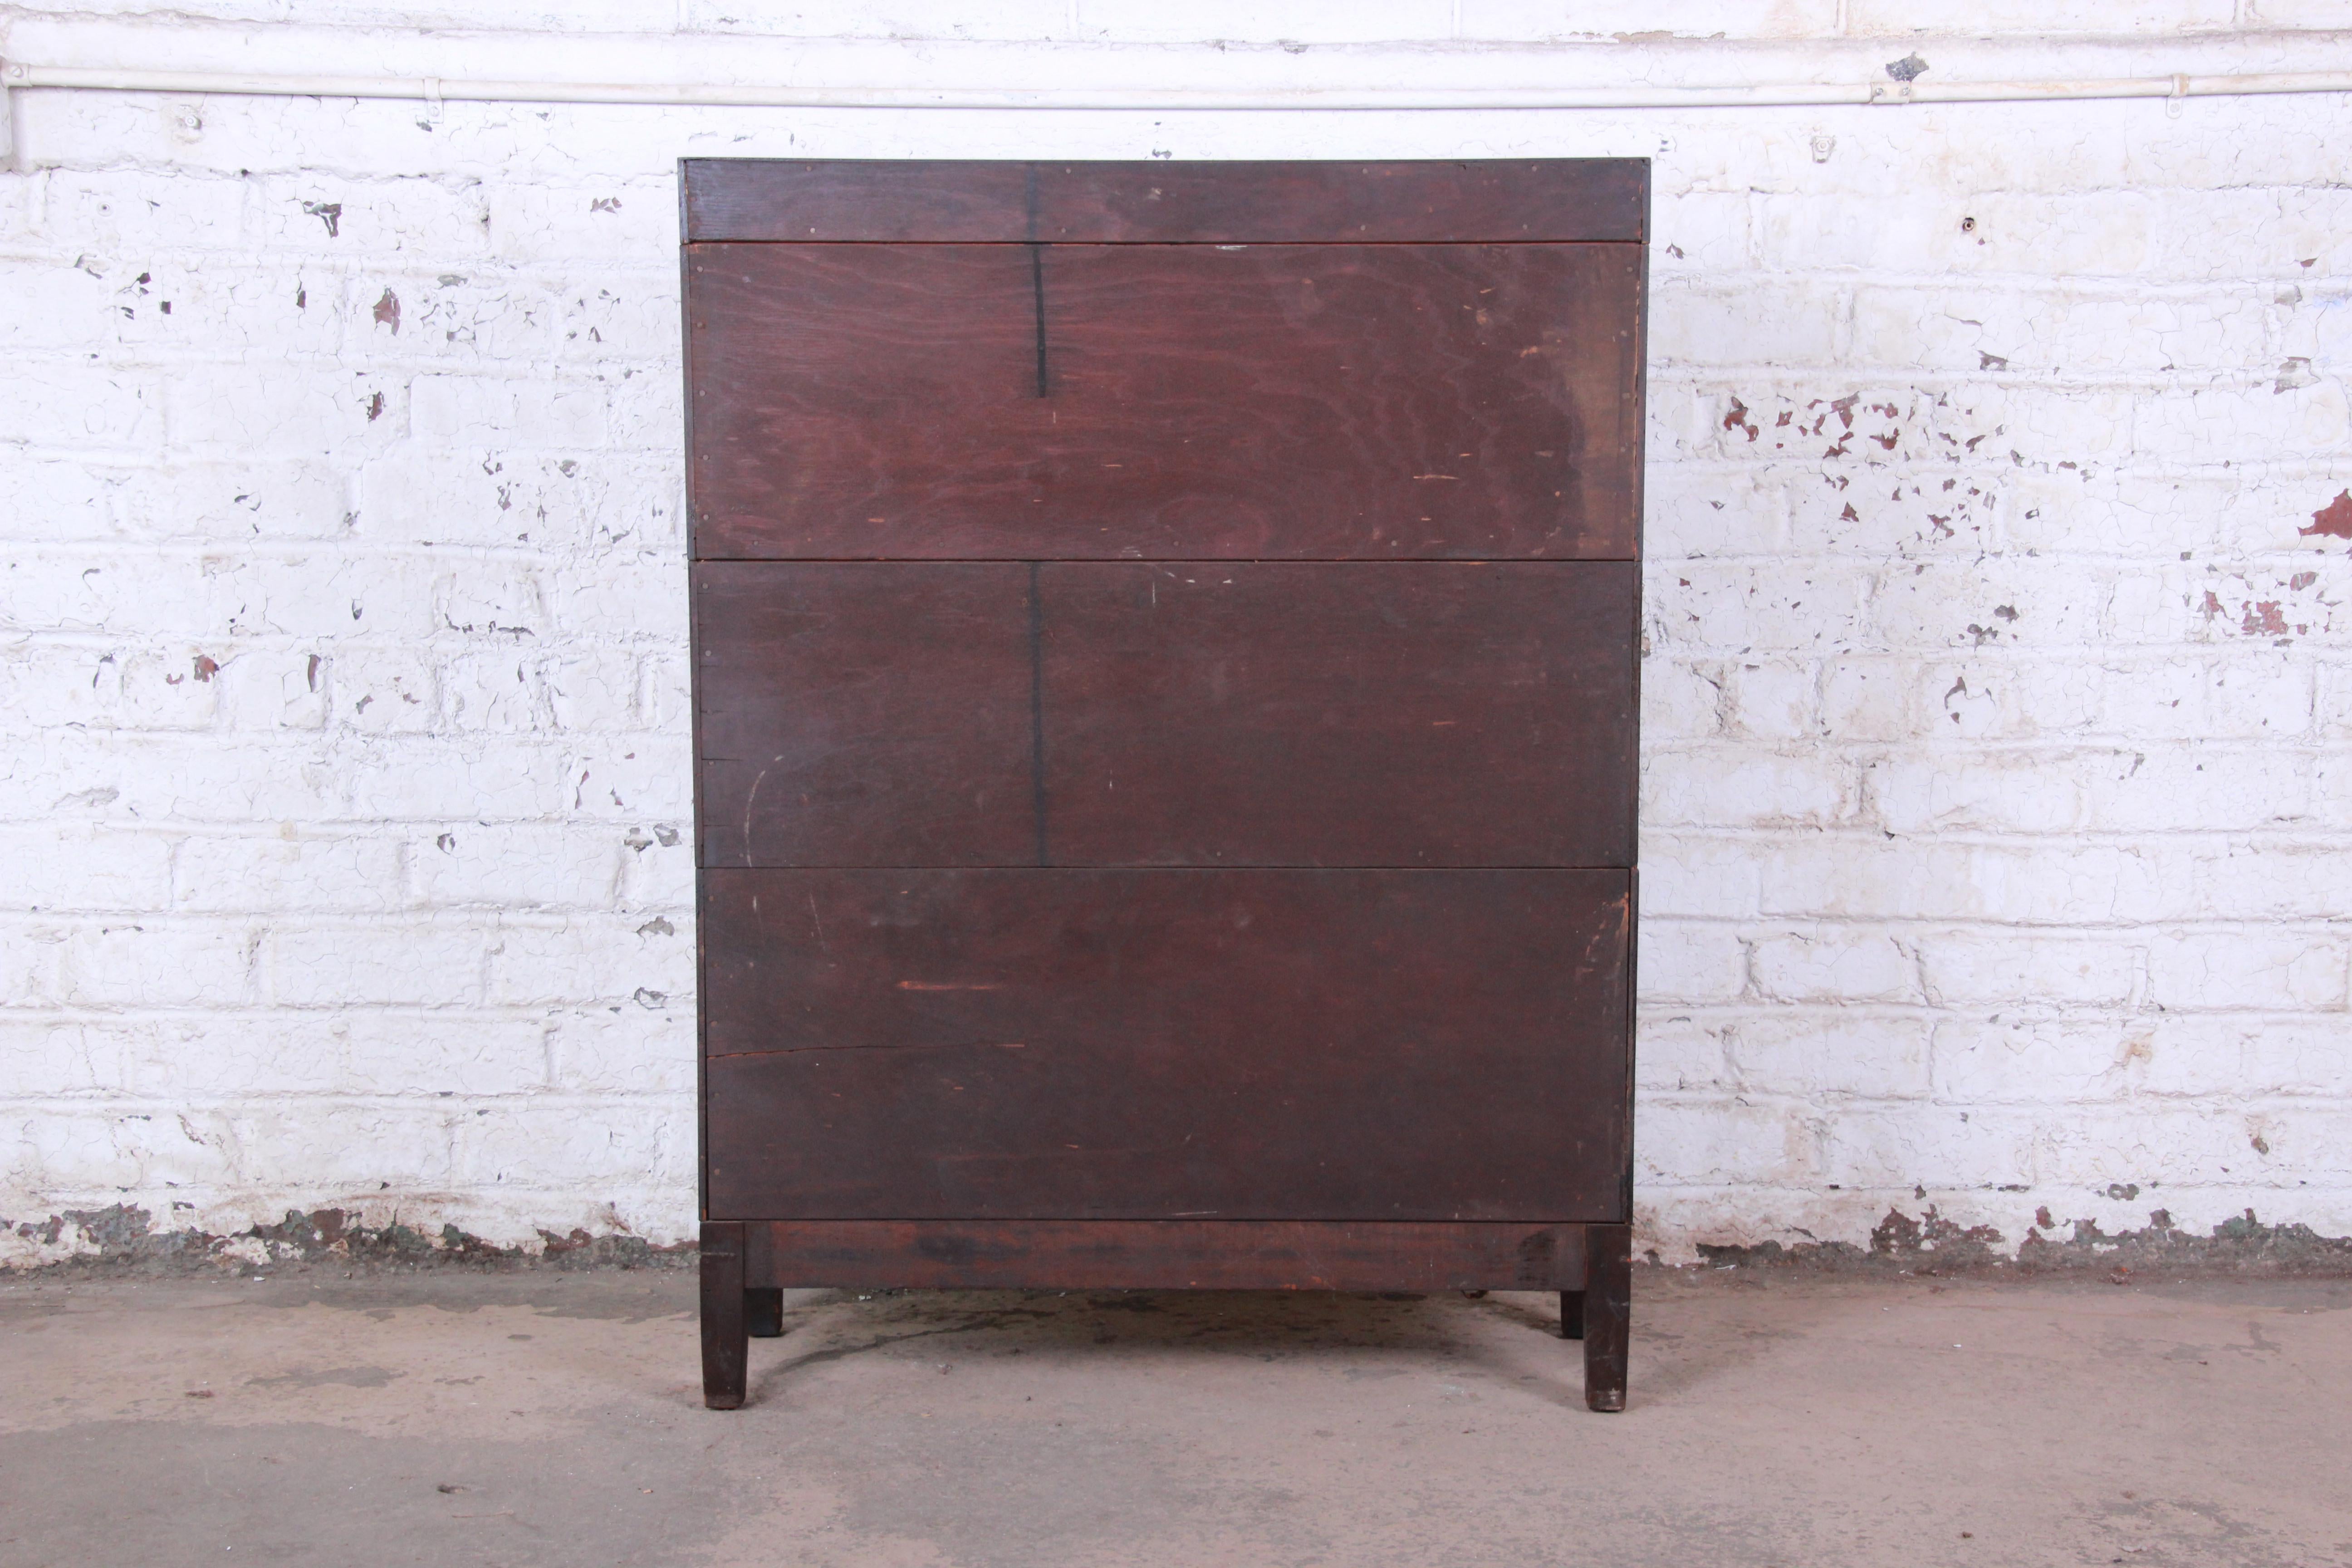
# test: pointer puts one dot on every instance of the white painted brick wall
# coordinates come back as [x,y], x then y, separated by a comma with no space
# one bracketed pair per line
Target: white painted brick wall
[1998,787]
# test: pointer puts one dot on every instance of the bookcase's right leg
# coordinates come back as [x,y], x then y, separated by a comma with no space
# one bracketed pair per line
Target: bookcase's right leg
[1607,1312]
[726,1346]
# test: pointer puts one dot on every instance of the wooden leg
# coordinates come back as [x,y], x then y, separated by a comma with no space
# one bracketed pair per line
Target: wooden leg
[1572,1314]
[1607,1312]
[724,1346]
[764,1311]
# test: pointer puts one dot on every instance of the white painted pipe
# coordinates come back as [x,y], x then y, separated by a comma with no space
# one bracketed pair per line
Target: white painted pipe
[17,74]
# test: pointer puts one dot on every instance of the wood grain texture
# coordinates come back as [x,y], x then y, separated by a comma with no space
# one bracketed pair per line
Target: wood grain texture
[1263,402]
[1203,713]
[1173,1255]
[1467,201]
[1071,1044]
[865,715]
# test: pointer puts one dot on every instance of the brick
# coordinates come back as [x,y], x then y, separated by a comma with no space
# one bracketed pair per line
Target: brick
[49,500]
[1700,876]
[609,220]
[125,211]
[67,774]
[2122,514]
[2273,232]
[1690,1140]
[2244,423]
[235,502]
[2223,1057]
[1723,786]
[383,692]
[238,412]
[1802,607]
[2244,695]
[1944,1147]
[1813,1053]
[2016,1059]
[104,686]
[1775,323]
[520,866]
[633,778]
[80,405]
[2258,880]
[2037,427]
[455,410]
[438,780]
[628,1052]
[2276,604]
[1995,695]
[2082,234]
[1679,1051]
[1848,429]
[1683,962]
[1977,330]
[1837,965]
[433,496]
[67,869]
[1999,602]
[2169,1148]
[349,1052]
[273,689]
[2285,971]
[102,1152]
[1864,699]
[1919,517]
[1681,700]
[659,874]
[610,961]
[258,875]
[1977,968]
[1712,512]
[363,218]
[2062,883]
[539,1140]
[158,961]
[50,1057]
[392,961]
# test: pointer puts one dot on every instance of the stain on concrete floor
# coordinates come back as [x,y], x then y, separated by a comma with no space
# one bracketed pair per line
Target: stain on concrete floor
[542,1418]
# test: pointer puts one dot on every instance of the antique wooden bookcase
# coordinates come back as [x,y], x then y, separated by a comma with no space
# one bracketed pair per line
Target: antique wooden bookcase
[1165,642]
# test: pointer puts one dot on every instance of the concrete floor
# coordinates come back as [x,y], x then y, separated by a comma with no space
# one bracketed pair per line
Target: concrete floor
[549,1418]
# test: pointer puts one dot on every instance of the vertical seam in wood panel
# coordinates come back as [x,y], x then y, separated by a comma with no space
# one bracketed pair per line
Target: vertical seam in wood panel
[1037,289]
[1037,276]
[1037,712]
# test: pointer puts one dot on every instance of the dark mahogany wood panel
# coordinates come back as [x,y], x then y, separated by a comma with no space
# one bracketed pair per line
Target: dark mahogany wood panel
[1171,1255]
[1444,713]
[1071,1044]
[864,715]
[1101,402]
[1463,201]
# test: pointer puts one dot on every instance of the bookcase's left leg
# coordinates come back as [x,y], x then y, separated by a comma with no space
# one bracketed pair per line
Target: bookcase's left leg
[1608,1313]
[725,1334]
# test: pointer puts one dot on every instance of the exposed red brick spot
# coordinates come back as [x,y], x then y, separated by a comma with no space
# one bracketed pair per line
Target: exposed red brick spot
[205,667]
[2300,581]
[2263,619]
[2334,519]
[387,311]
